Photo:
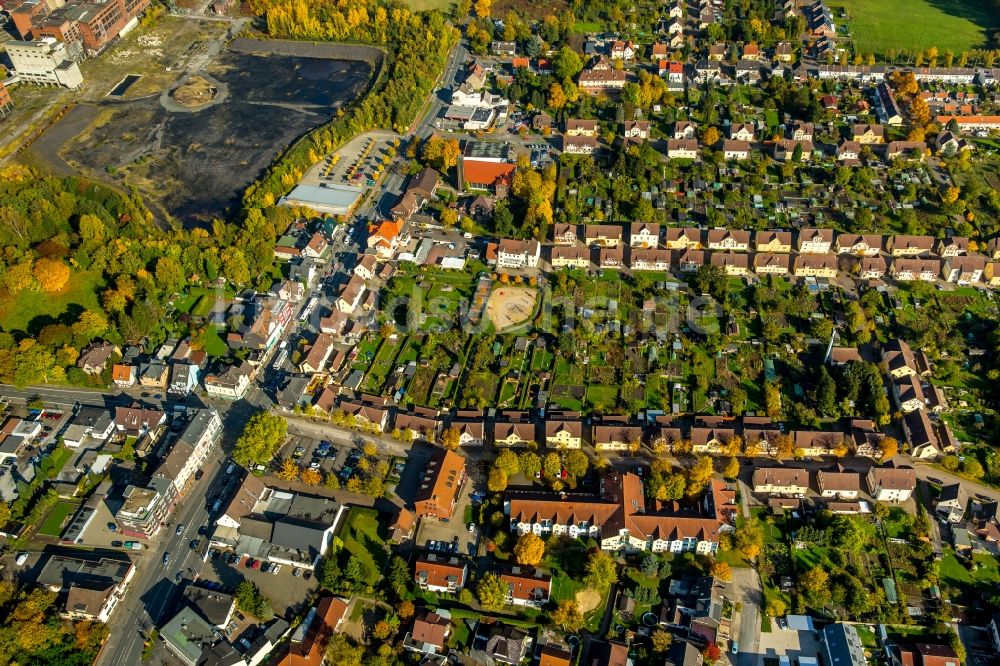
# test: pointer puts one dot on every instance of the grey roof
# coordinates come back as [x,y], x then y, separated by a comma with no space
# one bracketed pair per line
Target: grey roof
[95,418]
[682,653]
[843,646]
[211,605]
[197,427]
[62,571]
[298,534]
[188,634]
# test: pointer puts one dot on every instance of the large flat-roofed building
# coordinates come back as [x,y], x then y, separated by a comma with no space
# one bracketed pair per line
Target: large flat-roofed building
[89,588]
[329,199]
[45,62]
[93,24]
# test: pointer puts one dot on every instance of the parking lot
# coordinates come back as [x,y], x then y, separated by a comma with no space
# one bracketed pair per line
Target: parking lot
[286,591]
[356,163]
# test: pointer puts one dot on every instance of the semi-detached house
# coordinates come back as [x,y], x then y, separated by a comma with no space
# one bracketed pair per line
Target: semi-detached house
[780,481]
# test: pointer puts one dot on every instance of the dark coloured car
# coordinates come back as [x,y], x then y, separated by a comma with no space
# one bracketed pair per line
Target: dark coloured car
[198,475]
[194,544]
[113,527]
[117,544]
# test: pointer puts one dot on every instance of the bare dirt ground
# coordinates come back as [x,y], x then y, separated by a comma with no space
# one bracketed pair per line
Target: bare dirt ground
[587,600]
[511,306]
[196,164]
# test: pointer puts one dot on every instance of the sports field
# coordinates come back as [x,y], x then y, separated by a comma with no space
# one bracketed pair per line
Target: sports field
[950,25]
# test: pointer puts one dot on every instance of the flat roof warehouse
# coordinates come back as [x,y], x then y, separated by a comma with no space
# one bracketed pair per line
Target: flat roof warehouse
[328,199]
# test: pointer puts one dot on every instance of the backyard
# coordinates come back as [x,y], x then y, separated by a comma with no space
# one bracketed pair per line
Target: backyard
[364,537]
[876,26]
[53,524]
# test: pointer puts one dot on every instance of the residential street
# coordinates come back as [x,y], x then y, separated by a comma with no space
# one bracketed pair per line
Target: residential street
[746,588]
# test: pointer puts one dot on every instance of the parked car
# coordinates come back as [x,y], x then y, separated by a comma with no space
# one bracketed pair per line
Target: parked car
[275,569]
[116,544]
[296,572]
[251,563]
[113,527]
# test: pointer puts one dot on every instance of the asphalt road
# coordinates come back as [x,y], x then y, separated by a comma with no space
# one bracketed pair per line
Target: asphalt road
[747,589]
[152,595]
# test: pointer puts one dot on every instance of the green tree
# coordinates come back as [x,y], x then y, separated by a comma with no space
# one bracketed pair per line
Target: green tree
[262,436]
[601,569]
[577,463]
[567,615]
[566,64]
[399,575]
[492,592]
[251,601]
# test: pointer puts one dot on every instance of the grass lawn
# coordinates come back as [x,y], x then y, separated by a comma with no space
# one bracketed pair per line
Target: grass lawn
[807,558]
[605,396]
[80,294]
[955,575]
[581,27]
[54,462]
[950,25]
[214,344]
[53,522]
[363,537]
[564,587]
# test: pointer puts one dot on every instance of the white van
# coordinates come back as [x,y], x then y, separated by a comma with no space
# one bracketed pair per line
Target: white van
[21,559]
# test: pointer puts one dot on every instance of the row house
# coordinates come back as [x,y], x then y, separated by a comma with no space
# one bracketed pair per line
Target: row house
[767,263]
[780,481]
[596,81]
[726,240]
[577,127]
[365,414]
[682,149]
[840,485]
[732,264]
[815,265]
[965,269]
[570,257]
[715,440]
[644,235]
[733,149]
[650,260]
[564,433]
[905,149]
[683,238]
[815,241]
[580,145]
[513,434]
[602,235]
[815,443]
[773,241]
[611,257]
[891,484]
[859,245]
[617,436]
[907,270]
[872,268]
[902,245]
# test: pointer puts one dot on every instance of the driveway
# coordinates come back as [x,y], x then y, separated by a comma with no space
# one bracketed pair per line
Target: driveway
[746,589]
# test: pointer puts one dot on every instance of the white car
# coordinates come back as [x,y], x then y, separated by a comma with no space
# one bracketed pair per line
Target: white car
[276,568]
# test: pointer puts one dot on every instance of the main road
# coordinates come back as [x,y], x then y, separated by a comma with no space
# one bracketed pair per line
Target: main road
[152,594]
